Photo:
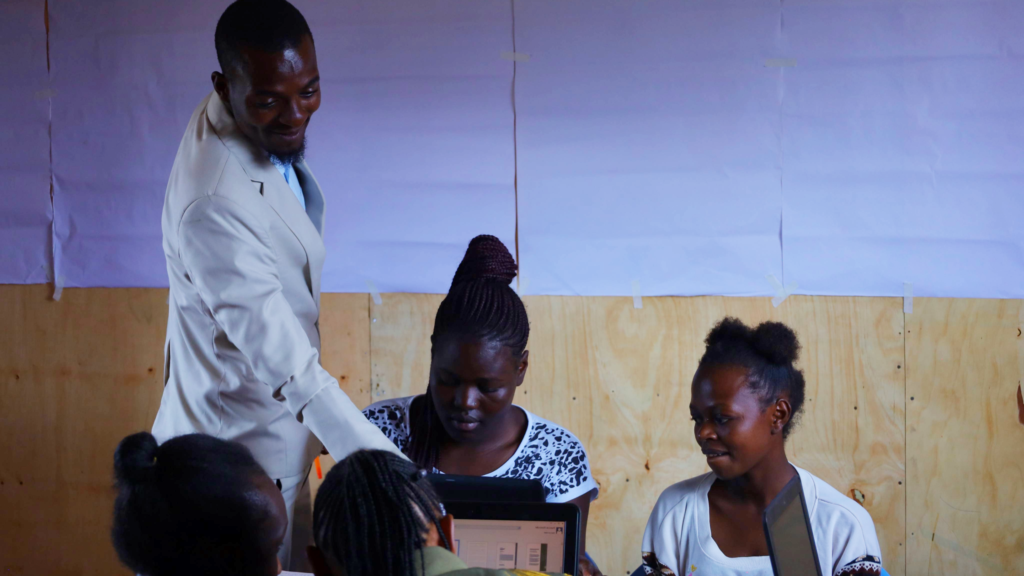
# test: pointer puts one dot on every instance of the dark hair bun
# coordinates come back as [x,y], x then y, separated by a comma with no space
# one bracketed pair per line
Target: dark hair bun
[727,331]
[486,258]
[776,342]
[135,458]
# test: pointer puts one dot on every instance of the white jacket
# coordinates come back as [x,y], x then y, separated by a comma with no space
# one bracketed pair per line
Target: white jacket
[678,541]
[242,356]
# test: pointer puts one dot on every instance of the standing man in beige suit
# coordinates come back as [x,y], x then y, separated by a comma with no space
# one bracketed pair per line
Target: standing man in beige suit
[242,233]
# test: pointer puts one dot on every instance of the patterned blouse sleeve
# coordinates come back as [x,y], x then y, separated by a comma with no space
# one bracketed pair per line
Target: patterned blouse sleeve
[567,474]
[389,417]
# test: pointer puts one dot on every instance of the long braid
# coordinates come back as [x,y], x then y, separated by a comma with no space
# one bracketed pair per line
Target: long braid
[369,514]
[480,304]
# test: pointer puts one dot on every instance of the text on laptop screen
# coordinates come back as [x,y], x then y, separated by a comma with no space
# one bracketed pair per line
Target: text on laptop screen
[511,544]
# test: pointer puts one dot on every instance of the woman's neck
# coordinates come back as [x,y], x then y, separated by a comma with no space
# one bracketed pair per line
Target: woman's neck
[762,483]
[487,454]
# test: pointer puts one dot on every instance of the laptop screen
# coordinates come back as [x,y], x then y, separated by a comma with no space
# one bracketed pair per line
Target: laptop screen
[511,544]
[793,556]
[788,530]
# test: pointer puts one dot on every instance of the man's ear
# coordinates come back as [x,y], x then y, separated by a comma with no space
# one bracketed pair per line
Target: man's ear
[448,528]
[317,561]
[220,86]
[524,363]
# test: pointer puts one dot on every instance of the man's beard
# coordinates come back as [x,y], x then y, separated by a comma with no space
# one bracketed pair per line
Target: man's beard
[290,156]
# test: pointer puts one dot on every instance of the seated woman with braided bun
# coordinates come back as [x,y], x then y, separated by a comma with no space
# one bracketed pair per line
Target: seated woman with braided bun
[466,423]
[195,506]
[376,514]
[745,397]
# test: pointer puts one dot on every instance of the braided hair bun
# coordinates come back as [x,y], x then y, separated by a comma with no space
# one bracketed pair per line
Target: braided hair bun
[481,306]
[487,259]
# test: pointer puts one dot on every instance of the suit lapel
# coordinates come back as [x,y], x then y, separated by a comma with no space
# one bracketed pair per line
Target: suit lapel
[275,190]
[314,196]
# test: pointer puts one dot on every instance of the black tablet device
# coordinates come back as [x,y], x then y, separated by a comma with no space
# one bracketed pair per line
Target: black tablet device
[787,527]
[517,536]
[455,488]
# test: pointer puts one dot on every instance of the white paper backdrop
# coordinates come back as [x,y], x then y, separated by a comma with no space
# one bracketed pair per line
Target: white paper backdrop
[412,143]
[692,146]
[648,147]
[904,148]
[25,213]
[414,138]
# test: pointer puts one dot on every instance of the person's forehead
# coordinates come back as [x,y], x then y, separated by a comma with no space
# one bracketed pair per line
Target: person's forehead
[472,357]
[295,64]
[720,384]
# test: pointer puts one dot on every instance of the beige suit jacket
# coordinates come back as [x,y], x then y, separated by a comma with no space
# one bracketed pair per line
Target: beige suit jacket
[242,356]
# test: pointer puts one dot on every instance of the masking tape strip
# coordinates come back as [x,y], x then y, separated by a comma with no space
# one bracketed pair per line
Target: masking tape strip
[524,283]
[58,288]
[373,292]
[515,56]
[44,94]
[908,298]
[638,301]
[781,293]
[780,63]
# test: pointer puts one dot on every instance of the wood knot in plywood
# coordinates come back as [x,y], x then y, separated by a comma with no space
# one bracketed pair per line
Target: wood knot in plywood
[647,465]
[1020,405]
[857,495]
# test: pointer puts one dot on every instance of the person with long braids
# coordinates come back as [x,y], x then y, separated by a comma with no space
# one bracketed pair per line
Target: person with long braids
[377,515]
[466,422]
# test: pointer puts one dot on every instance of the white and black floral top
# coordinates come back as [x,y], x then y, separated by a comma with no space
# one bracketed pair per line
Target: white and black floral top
[548,452]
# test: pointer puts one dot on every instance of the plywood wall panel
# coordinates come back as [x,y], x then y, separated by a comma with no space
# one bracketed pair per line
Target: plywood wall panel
[400,330]
[852,433]
[345,353]
[965,504]
[78,375]
[345,343]
[619,378]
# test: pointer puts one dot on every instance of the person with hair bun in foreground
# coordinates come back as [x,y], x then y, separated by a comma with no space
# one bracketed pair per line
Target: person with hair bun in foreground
[377,515]
[466,422]
[745,398]
[195,506]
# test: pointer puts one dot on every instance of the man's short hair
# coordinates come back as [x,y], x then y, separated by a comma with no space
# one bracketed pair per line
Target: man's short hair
[266,25]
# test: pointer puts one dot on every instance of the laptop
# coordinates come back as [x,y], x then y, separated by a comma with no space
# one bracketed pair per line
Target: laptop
[521,536]
[455,488]
[787,527]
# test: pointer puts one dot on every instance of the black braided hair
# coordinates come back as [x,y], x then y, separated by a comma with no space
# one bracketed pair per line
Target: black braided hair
[768,352]
[370,513]
[181,504]
[480,305]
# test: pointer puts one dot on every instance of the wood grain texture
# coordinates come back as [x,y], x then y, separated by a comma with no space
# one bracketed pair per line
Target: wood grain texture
[965,504]
[619,378]
[78,375]
[345,343]
[345,353]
